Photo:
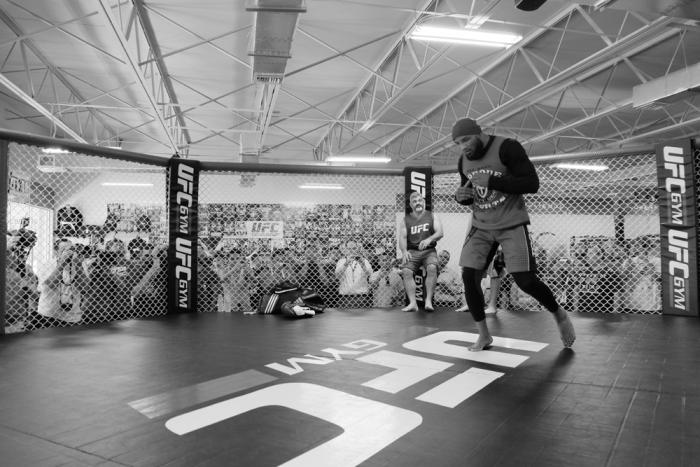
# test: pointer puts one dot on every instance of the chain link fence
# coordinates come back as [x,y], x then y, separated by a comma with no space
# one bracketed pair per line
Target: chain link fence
[86,239]
[335,234]
[595,235]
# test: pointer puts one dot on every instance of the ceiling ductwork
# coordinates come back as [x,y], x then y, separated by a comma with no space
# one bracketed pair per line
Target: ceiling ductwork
[275,24]
[678,85]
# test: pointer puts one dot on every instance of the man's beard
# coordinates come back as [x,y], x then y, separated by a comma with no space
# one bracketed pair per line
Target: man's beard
[475,150]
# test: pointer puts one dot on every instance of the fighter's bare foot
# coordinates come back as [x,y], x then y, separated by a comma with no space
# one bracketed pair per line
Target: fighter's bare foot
[463,308]
[482,343]
[429,307]
[566,328]
[491,310]
[410,308]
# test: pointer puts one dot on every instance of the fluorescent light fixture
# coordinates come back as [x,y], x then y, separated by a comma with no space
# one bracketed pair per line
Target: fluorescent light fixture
[125,184]
[54,151]
[464,36]
[596,168]
[477,21]
[358,158]
[322,186]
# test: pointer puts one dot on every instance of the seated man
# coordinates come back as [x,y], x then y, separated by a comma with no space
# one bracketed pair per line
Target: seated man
[420,231]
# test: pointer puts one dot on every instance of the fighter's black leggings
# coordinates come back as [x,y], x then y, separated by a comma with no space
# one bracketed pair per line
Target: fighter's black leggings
[527,281]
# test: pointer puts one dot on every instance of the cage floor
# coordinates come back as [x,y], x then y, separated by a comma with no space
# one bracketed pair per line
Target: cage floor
[371,387]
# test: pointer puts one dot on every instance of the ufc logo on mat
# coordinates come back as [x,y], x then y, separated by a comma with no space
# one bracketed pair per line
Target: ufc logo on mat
[356,415]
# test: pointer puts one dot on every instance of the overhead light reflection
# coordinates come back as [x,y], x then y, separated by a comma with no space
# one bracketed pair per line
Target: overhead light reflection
[596,168]
[322,186]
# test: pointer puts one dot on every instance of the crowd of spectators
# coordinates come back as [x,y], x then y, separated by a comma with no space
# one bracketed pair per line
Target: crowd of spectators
[606,276]
[85,282]
[111,279]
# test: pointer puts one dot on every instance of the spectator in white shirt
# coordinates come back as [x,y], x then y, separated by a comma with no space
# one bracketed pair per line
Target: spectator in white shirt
[353,271]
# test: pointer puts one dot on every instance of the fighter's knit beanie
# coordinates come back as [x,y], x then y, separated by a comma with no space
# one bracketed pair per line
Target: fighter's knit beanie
[465,127]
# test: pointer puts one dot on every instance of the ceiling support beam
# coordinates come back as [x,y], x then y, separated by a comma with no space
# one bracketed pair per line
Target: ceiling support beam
[570,126]
[635,42]
[323,147]
[497,61]
[56,72]
[133,64]
[147,27]
[40,108]
[63,30]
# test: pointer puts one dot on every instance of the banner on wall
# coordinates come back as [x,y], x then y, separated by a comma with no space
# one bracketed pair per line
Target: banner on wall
[259,229]
[678,217]
[183,206]
[419,179]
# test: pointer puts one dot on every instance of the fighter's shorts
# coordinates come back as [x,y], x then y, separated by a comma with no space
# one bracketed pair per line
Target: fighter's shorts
[480,247]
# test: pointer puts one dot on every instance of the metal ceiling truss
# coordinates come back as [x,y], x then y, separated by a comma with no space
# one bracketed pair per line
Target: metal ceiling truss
[152,77]
[145,22]
[360,108]
[125,128]
[93,122]
[644,125]
[461,102]
[59,27]
[524,104]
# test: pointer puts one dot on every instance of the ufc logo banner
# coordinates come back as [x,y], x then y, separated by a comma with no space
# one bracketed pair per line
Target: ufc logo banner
[183,205]
[419,179]
[678,212]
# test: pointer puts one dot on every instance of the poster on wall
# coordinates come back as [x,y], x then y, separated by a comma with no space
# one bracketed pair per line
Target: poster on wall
[183,203]
[19,187]
[678,217]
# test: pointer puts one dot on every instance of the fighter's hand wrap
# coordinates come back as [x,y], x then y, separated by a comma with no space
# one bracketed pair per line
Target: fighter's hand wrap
[465,194]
